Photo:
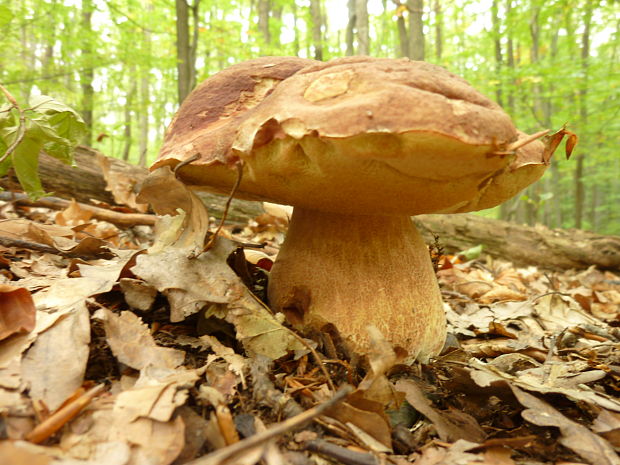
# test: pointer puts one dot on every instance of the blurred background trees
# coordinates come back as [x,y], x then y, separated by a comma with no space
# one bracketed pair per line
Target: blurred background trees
[127,64]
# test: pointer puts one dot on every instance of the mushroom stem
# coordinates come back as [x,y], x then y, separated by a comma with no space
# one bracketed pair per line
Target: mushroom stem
[352,271]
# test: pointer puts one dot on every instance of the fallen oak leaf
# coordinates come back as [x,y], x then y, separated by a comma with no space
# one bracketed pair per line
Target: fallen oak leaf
[17,311]
[575,437]
[449,427]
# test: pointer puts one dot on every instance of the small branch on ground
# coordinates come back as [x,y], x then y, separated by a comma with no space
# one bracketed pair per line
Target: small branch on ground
[280,428]
[43,248]
[341,454]
[62,416]
[55,203]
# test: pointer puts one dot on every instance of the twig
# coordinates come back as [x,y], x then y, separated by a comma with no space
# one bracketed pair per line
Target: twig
[341,454]
[228,452]
[226,207]
[55,203]
[21,129]
[62,416]
[43,248]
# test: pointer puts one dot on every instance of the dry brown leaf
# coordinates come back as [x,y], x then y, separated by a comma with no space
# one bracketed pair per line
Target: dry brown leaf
[449,426]
[55,364]
[138,294]
[15,454]
[576,437]
[121,184]
[17,311]
[132,343]
[485,374]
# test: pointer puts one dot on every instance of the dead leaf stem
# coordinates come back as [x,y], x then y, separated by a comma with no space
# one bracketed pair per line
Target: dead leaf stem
[21,129]
[226,207]
[221,455]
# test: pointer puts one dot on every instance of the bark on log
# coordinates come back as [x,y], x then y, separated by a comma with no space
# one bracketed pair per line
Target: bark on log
[523,245]
[86,182]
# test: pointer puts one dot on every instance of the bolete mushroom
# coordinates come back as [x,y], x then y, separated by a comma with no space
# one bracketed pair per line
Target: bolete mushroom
[357,145]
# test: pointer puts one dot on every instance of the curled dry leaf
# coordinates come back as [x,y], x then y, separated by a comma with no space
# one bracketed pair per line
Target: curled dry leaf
[194,279]
[449,427]
[17,311]
[132,343]
[576,437]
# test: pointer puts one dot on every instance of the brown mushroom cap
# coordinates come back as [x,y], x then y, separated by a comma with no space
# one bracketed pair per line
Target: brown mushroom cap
[353,135]
[209,117]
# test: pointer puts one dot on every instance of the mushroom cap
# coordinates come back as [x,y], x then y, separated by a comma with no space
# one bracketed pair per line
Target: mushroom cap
[355,135]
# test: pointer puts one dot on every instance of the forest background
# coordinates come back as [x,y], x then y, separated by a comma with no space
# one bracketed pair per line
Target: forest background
[127,64]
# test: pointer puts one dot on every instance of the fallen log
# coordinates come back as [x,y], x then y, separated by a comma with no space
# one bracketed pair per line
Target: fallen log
[523,245]
[87,182]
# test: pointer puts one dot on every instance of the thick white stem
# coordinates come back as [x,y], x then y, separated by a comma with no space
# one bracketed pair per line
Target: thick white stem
[353,271]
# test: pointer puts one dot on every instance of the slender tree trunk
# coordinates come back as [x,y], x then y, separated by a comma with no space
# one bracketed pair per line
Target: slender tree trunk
[264,7]
[403,37]
[351,26]
[498,51]
[583,113]
[416,29]
[193,48]
[438,29]
[317,23]
[296,46]
[87,75]
[129,99]
[47,59]
[363,33]
[183,51]
[508,209]
[144,117]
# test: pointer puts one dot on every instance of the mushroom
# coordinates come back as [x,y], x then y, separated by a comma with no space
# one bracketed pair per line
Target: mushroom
[357,145]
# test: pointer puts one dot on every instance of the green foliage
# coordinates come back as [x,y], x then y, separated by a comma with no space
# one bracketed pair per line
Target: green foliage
[47,125]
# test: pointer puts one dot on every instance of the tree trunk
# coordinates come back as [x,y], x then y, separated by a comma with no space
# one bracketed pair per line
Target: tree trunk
[87,75]
[129,97]
[263,21]
[145,93]
[416,29]
[498,50]
[317,23]
[583,114]
[363,33]
[438,29]
[403,37]
[351,25]
[185,68]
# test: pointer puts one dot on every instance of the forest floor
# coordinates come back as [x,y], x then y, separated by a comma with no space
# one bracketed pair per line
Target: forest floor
[109,355]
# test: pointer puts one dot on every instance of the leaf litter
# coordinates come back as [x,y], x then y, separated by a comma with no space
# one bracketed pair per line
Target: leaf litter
[164,353]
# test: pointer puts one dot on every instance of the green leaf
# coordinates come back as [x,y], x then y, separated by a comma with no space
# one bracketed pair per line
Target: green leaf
[6,164]
[53,143]
[66,126]
[471,253]
[26,165]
